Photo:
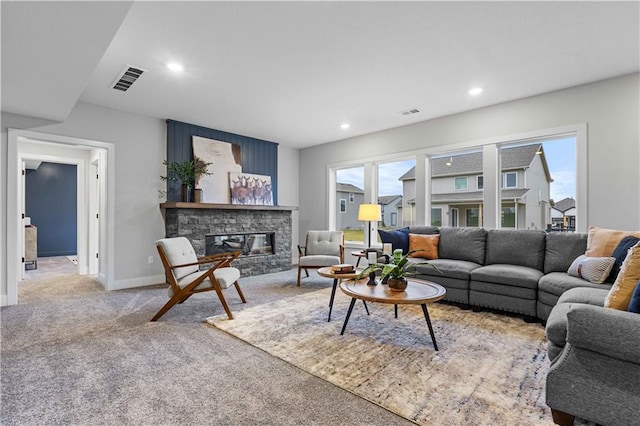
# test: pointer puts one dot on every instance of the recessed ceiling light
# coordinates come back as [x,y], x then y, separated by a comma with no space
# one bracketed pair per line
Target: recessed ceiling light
[475,91]
[174,66]
[345,126]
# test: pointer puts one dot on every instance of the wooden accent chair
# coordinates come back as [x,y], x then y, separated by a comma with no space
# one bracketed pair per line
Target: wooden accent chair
[182,271]
[321,248]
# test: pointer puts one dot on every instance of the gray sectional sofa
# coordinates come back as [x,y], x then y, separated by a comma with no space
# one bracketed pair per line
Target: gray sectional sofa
[520,271]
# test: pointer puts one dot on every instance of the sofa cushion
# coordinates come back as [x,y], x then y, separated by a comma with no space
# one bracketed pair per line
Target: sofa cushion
[398,238]
[462,244]
[513,275]
[448,268]
[620,253]
[516,247]
[593,269]
[424,246]
[589,296]
[561,248]
[634,305]
[620,294]
[602,242]
[559,282]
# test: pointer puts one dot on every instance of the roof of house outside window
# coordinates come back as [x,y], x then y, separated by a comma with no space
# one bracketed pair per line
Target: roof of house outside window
[388,199]
[565,204]
[512,158]
[347,187]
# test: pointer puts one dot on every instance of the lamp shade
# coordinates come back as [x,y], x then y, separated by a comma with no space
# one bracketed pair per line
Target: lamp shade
[370,212]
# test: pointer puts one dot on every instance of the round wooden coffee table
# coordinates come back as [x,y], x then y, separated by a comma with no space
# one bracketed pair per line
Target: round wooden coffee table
[328,273]
[417,293]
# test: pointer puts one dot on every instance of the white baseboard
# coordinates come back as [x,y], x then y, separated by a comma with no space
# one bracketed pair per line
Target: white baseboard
[4,301]
[137,282]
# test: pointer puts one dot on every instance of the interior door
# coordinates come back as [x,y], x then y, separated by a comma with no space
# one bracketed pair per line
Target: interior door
[21,197]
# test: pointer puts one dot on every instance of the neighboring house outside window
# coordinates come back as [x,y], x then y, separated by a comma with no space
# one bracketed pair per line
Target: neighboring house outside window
[480,182]
[394,219]
[343,205]
[473,217]
[352,197]
[461,183]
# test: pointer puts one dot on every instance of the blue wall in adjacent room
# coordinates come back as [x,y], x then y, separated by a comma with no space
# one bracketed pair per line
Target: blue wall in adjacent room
[258,156]
[51,203]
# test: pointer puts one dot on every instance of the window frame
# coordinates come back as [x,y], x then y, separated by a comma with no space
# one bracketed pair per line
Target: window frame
[352,198]
[491,159]
[431,218]
[343,205]
[478,179]
[466,183]
[505,179]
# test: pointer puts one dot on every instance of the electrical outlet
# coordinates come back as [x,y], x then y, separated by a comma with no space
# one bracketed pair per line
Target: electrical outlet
[150,260]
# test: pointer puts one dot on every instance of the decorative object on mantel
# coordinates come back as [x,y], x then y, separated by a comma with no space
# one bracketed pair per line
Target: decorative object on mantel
[187,173]
[224,157]
[250,189]
[395,272]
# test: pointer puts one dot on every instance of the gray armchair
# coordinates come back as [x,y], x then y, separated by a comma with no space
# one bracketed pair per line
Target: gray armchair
[595,360]
[322,248]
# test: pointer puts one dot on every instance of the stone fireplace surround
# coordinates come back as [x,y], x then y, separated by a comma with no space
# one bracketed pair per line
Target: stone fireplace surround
[197,220]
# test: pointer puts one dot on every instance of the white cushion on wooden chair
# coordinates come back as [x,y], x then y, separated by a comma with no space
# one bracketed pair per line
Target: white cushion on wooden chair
[179,251]
[227,276]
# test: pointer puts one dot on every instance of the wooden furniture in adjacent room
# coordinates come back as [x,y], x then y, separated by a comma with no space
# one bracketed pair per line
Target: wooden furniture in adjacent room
[327,272]
[31,245]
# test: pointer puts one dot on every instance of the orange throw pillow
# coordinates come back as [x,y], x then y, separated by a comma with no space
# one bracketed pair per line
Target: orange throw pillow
[602,242]
[620,294]
[427,245]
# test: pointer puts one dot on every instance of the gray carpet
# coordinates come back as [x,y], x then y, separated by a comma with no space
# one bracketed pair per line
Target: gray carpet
[490,369]
[76,355]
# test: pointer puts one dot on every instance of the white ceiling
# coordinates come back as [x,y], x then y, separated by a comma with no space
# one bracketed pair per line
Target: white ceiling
[292,72]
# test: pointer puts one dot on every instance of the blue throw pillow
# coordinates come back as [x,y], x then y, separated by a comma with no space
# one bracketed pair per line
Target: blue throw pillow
[634,305]
[399,238]
[620,253]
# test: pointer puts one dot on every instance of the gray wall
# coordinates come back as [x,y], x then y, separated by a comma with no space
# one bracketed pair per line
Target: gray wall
[610,108]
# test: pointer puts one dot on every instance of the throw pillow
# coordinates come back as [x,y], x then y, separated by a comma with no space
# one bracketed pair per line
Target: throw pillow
[426,245]
[602,242]
[634,305]
[399,238]
[593,269]
[619,254]
[620,294]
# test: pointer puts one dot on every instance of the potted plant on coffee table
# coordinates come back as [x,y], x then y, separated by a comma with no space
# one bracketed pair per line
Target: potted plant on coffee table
[395,272]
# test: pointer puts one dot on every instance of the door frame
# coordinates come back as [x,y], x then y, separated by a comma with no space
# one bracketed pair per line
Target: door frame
[14,219]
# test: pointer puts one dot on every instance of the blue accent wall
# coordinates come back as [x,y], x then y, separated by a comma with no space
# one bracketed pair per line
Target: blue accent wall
[51,203]
[258,156]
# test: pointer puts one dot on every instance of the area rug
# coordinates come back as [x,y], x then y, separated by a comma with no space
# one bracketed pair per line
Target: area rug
[490,369]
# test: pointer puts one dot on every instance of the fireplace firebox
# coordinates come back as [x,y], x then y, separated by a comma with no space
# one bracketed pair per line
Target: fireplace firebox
[250,244]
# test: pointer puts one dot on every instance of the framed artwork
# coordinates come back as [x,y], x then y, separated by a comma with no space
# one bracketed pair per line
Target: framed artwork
[224,157]
[249,189]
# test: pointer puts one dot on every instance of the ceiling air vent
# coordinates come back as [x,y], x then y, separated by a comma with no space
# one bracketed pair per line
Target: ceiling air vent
[127,77]
[410,111]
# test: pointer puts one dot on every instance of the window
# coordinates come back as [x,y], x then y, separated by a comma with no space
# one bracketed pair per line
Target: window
[436,217]
[460,183]
[394,194]
[508,217]
[480,182]
[510,180]
[473,217]
[454,218]
[350,183]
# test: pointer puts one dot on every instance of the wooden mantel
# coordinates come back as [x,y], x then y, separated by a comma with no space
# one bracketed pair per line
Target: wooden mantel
[180,205]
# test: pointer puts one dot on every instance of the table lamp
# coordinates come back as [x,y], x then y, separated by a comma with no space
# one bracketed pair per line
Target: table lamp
[369,213]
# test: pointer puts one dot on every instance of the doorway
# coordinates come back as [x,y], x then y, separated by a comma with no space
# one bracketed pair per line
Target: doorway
[95,195]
